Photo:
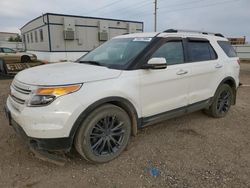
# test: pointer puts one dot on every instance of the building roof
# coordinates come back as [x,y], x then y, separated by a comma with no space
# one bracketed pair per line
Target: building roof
[8,33]
[77,16]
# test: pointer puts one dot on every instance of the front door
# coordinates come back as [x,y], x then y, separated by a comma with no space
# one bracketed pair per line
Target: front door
[166,89]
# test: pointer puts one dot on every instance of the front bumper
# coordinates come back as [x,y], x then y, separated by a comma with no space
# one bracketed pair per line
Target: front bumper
[33,58]
[47,144]
[52,121]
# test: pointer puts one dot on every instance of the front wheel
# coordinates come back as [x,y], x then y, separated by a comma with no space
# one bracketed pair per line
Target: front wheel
[222,102]
[25,59]
[104,134]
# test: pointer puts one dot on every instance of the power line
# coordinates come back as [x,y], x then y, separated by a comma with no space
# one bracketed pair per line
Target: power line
[106,6]
[203,6]
[189,8]
[171,5]
[181,4]
[136,5]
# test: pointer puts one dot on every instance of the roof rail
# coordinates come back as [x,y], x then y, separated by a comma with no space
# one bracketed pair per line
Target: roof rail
[192,31]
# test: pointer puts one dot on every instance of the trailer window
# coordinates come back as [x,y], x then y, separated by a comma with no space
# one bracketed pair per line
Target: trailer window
[36,39]
[28,38]
[31,37]
[41,35]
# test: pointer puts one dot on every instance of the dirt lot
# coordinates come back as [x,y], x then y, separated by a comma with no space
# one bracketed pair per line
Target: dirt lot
[190,151]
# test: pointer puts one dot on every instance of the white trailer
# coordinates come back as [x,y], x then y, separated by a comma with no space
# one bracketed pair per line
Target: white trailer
[57,37]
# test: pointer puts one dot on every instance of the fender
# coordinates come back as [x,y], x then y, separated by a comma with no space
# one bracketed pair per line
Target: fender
[231,82]
[118,101]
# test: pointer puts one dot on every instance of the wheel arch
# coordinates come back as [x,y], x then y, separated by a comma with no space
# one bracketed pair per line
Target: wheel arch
[24,56]
[118,101]
[231,82]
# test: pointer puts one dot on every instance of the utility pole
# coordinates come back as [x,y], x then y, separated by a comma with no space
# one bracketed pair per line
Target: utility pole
[155,16]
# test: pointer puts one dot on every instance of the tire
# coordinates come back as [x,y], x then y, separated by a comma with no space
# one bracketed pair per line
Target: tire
[222,102]
[25,59]
[95,140]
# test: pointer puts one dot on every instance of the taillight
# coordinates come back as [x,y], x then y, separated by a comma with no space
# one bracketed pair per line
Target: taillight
[238,61]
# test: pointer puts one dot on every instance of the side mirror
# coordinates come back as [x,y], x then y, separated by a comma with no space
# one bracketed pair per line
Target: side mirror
[156,63]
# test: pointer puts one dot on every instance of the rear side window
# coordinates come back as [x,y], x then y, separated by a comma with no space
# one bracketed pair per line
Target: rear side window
[227,48]
[172,52]
[200,51]
[8,50]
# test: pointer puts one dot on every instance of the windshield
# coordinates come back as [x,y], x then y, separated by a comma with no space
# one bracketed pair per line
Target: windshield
[116,53]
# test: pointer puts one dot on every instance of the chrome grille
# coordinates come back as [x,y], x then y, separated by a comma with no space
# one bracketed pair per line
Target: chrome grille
[20,101]
[20,92]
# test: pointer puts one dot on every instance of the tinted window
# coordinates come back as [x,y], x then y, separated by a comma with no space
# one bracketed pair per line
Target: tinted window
[200,51]
[212,52]
[172,52]
[8,50]
[227,48]
[116,52]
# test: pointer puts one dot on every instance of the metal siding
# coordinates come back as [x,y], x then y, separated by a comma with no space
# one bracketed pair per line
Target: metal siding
[243,51]
[41,46]
[86,32]
[33,26]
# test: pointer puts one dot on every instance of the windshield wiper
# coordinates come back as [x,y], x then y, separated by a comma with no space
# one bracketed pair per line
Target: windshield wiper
[91,62]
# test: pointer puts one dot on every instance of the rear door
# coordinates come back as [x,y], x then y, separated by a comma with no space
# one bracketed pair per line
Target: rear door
[207,69]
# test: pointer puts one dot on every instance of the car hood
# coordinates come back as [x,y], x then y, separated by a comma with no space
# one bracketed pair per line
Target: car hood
[65,73]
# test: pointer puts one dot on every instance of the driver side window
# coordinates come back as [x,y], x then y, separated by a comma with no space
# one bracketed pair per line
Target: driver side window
[172,51]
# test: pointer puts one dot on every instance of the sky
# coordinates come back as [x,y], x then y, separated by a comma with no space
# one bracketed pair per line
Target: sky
[229,17]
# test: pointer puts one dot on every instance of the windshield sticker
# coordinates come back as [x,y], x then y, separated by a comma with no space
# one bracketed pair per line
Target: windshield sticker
[142,39]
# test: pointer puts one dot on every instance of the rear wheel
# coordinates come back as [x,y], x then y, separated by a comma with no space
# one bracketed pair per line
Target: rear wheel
[104,134]
[25,59]
[222,102]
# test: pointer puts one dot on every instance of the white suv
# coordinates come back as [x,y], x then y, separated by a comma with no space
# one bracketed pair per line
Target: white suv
[129,82]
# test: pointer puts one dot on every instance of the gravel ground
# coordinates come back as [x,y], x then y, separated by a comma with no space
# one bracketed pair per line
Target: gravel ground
[190,151]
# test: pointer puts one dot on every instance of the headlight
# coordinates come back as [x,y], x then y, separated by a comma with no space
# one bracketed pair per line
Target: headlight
[46,95]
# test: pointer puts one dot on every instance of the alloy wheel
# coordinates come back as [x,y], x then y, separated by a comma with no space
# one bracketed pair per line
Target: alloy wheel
[224,102]
[107,136]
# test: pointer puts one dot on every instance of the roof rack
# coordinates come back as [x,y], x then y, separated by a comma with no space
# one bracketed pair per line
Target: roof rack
[192,31]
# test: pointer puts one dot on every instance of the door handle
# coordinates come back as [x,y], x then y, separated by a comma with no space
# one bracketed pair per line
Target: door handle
[181,72]
[218,66]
